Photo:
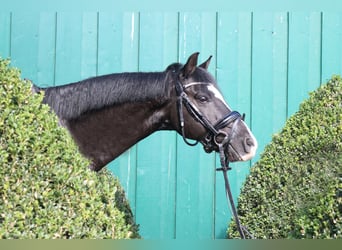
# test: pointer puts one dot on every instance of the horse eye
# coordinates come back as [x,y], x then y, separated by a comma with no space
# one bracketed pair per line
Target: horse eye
[202,98]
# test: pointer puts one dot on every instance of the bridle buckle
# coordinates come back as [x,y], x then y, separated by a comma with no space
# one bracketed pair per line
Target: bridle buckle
[221,138]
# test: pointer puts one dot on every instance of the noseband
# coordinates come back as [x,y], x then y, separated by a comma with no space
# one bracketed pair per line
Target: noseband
[215,135]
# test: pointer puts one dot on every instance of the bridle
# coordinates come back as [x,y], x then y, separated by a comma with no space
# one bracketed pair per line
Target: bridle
[215,138]
[215,135]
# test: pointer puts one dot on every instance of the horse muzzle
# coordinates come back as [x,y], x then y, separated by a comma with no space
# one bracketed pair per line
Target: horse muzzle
[242,145]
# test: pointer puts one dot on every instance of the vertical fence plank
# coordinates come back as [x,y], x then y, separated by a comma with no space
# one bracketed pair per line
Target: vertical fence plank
[304,57]
[156,163]
[279,78]
[269,75]
[110,43]
[195,169]
[123,44]
[68,47]
[76,46]
[234,39]
[5,31]
[46,49]
[24,43]
[331,45]
[89,48]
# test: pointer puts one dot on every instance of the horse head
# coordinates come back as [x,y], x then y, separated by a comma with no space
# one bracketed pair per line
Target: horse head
[202,114]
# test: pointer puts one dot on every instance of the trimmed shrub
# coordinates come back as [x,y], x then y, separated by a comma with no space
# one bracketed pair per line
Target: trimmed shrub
[46,189]
[294,190]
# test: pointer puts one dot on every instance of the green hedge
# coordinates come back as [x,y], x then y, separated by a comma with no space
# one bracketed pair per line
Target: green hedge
[295,190]
[46,190]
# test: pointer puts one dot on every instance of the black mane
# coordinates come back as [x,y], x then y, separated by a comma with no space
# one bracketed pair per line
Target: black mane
[72,100]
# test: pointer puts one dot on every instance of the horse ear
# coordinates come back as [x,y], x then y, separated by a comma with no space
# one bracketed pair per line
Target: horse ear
[205,65]
[190,65]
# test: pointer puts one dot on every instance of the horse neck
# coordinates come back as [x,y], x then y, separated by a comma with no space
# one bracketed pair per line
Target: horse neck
[105,134]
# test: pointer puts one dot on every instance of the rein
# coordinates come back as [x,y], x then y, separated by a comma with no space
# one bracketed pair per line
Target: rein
[214,132]
[225,168]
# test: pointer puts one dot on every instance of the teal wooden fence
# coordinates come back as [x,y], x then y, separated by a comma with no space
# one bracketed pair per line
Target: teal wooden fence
[265,64]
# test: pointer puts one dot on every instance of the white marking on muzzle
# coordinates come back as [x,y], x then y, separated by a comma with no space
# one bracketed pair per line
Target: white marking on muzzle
[253,149]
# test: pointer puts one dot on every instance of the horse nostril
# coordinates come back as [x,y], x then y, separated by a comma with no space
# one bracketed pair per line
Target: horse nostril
[249,143]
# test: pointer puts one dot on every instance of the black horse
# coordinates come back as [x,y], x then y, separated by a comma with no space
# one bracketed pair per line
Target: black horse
[108,114]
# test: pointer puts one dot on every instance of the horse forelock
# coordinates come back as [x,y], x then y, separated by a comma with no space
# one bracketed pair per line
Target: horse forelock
[72,100]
